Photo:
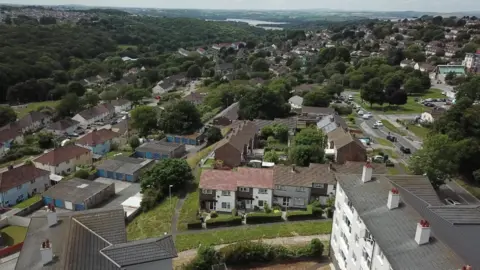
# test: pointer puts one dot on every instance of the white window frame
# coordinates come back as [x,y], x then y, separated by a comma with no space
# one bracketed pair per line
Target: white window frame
[300,189]
[318,185]
[299,199]
[207,191]
[280,187]
[262,191]
[244,189]
[226,205]
[225,193]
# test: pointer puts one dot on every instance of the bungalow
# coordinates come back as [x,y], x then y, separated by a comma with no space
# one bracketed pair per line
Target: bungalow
[317,111]
[19,183]
[224,69]
[201,51]
[64,126]
[64,160]
[100,112]
[233,149]
[169,84]
[121,105]
[123,168]
[227,116]
[8,137]
[183,52]
[160,150]
[98,141]
[345,147]
[192,139]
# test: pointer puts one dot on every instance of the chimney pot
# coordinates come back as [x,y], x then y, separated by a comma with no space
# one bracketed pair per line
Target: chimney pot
[367,172]
[52,218]
[422,235]
[46,252]
[393,199]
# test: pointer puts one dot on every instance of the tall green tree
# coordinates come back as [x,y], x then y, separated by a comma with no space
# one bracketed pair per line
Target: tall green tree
[144,118]
[69,105]
[372,92]
[170,171]
[262,103]
[317,98]
[180,117]
[7,115]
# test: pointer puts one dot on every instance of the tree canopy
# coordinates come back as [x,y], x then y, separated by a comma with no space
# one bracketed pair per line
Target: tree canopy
[180,117]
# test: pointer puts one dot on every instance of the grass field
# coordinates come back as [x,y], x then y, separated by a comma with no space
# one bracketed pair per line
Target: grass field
[474,190]
[392,171]
[13,235]
[383,142]
[21,112]
[28,202]
[410,107]
[419,131]
[393,128]
[191,241]
[153,223]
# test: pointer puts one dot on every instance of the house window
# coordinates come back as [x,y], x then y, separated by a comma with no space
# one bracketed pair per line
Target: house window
[300,189]
[279,187]
[261,203]
[207,191]
[244,189]
[225,193]
[317,185]
[32,181]
[19,187]
[299,201]
[262,191]
[225,205]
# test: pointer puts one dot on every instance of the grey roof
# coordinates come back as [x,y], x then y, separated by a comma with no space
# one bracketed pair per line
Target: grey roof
[119,102]
[96,111]
[317,110]
[63,124]
[290,122]
[75,190]
[79,239]
[162,147]
[296,100]
[394,230]
[126,165]
[153,249]
[331,122]
[231,112]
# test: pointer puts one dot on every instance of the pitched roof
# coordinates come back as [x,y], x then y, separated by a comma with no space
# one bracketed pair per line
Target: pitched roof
[394,230]
[119,102]
[31,118]
[9,134]
[20,175]
[96,111]
[231,179]
[331,122]
[61,154]
[356,167]
[194,97]
[75,190]
[303,176]
[63,124]
[97,137]
[290,122]
[158,147]
[297,100]
[231,112]
[317,110]
[240,135]
[91,239]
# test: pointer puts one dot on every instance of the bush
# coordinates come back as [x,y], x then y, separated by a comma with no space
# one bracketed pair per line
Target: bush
[261,217]
[343,110]
[194,225]
[310,213]
[234,212]
[224,221]
[83,174]
[206,257]
[213,214]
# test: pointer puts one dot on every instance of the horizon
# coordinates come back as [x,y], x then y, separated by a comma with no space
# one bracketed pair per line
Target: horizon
[146,4]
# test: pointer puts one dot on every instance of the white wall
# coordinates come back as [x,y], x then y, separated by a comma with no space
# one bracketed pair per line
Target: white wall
[220,198]
[39,184]
[262,197]
[353,249]
[65,166]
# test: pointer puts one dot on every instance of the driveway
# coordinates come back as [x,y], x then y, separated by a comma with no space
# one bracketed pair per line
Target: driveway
[121,196]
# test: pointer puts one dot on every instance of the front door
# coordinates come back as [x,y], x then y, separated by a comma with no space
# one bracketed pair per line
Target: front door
[248,204]
[213,205]
[286,201]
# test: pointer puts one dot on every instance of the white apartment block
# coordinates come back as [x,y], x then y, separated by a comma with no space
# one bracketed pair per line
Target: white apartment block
[389,222]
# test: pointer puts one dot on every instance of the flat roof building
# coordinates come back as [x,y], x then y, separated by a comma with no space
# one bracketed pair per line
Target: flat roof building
[160,150]
[123,168]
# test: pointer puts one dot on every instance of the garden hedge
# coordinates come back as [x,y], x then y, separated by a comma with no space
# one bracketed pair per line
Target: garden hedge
[261,217]
[310,213]
[194,225]
[224,222]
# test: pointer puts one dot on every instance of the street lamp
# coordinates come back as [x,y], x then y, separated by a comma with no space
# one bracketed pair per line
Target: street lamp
[170,195]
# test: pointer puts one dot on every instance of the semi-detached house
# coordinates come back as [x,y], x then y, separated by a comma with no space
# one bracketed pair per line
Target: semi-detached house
[100,112]
[98,141]
[244,189]
[64,160]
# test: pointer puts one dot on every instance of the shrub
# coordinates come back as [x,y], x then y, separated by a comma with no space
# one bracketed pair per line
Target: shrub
[234,212]
[267,208]
[317,212]
[194,225]
[206,257]
[224,221]
[310,213]
[213,214]
[342,110]
[83,174]
[261,217]
[329,213]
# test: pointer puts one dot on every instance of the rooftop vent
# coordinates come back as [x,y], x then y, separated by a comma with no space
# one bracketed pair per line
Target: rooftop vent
[52,218]
[46,251]
[367,172]
[422,236]
[393,199]
[82,186]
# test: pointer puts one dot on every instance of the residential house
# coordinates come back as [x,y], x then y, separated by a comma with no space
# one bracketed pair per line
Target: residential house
[64,126]
[33,121]
[296,186]
[234,148]
[191,139]
[279,70]
[407,63]
[160,150]
[345,147]
[219,46]
[64,160]
[169,84]
[227,116]
[123,168]
[317,111]
[472,61]
[98,141]
[451,51]
[290,123]
[8,137]
[224,69]
[377,216]
[331,122]
[100,112]
[183,52]
[432,50]
[195,98]
[303,89]
[19,183]
[432,115]
[121,105]
[92,239]
[296,102]
[201,51]
[424,67]
[244,189]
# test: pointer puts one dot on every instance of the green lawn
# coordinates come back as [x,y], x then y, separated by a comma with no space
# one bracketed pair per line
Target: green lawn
[383,142]
[193,161]
[28,202]
[393,128]
[189,210]
[34,106]
[419,131]
[404,167]
[193,240]
[392,171]
[13,235]
[410,107]
[153,223]
[474,190]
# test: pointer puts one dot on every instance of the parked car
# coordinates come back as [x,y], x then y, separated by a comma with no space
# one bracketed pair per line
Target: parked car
[391,138]
[405,150]
[360,112]
[389,163]
[450,201]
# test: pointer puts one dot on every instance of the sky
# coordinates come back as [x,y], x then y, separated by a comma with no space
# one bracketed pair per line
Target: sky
[372,5]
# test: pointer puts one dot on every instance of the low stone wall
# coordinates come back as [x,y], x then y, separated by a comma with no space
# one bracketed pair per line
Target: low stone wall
[18,221]
[30,209]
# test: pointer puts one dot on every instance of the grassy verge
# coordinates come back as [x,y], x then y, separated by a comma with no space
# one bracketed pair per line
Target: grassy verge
[28,202]
[191,241]
[392,171]
[419,131]
[188,212]
[404,167]
[21,112]
[153,223]
[391,153]
[474,190]
[383,142]
[393,128]
[13,235]
[193,161]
